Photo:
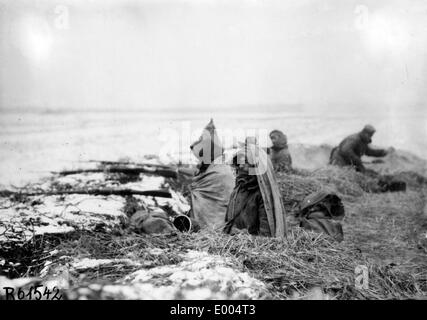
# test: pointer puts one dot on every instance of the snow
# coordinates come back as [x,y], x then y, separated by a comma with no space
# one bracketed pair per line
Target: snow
[147,183]
[88,263]
[16,283]
[34,142]
[81,178]
[156,251]
[60,214]
[198,275]
[65,213]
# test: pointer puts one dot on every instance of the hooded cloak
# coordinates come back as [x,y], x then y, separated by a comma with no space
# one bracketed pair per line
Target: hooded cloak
[208,147]
[211,188]
[262,168]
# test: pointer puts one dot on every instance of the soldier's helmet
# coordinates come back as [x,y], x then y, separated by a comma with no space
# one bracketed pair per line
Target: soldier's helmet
[369,129]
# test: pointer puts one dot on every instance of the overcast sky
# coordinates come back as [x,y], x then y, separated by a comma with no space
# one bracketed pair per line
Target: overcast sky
[210,54]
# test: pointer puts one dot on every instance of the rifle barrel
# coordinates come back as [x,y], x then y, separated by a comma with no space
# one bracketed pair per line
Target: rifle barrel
[105,192]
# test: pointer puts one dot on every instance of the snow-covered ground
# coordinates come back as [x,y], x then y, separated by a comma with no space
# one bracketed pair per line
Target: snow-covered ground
[199,276]
[19,221]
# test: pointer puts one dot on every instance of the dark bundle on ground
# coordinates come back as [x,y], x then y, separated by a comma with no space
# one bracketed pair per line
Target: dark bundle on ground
[412,179]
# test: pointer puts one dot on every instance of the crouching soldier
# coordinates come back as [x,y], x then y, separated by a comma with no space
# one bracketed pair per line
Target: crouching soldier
[255,204]
[352,148]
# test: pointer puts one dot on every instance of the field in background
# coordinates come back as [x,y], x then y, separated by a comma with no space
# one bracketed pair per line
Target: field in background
[32,144]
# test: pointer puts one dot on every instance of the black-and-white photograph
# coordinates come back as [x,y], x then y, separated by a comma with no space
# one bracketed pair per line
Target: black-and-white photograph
[213,150]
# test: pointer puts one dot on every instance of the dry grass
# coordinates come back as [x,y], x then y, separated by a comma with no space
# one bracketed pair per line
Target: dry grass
[346,182]
[296,264]
[307,259]
[384,228]
[387,226]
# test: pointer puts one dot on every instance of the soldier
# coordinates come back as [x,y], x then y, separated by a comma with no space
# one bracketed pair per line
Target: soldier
[352,148]
[279,152]
[255,204]
[212,185]
[322,211]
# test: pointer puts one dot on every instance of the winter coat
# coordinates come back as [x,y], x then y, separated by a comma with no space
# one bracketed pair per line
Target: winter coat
[211,187]
[279,153]
[210,192]
[246,208]
[281,159]
[351,149]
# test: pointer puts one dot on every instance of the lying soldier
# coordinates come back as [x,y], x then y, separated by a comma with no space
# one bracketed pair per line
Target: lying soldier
[151,222]
[352,148]
[322,212]
[255,204]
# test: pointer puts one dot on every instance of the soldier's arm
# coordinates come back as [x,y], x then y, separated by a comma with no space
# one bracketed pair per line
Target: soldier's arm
[375,152]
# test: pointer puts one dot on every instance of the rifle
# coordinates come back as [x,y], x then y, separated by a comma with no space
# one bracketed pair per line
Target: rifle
[103,192]
[140,164]
[164,171]
[168,173]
